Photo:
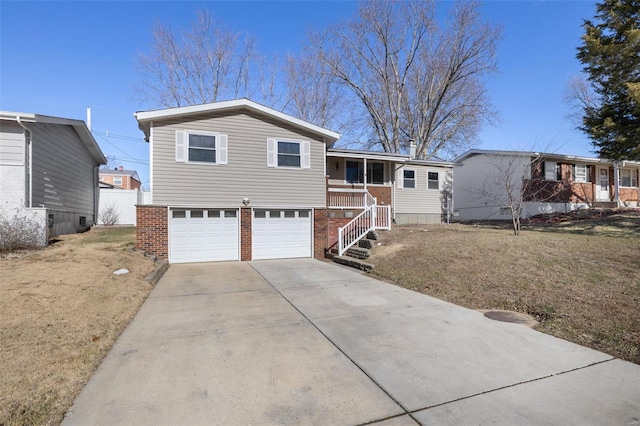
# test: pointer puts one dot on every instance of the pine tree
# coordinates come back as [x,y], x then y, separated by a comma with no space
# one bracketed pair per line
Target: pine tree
[610,53]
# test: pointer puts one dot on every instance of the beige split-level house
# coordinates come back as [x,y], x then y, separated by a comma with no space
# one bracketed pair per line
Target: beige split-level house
[236,180]
[49,171]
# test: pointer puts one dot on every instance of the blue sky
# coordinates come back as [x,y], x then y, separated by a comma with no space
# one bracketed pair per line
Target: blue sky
[58,58]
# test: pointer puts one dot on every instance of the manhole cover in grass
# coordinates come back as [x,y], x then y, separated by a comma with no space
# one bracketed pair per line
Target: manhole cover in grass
[509,316]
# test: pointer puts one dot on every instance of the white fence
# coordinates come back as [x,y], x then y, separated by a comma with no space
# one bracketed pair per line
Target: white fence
[123,201]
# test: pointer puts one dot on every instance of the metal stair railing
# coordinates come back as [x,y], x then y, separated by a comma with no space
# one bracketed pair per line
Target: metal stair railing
[357,228]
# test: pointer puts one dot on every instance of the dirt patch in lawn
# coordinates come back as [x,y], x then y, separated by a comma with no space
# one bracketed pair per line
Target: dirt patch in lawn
[61,311]
[580,282]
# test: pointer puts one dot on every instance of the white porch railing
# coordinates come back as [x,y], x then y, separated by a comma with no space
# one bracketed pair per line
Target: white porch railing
[353,231]
[383,217]
[373,217]
[347,198]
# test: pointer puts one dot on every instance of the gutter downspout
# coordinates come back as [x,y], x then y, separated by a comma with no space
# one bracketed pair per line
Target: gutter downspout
[29,159]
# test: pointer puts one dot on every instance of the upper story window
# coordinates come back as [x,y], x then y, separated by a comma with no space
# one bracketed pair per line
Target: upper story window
[433,180]
[288,154]
[117,181]
[355,172]
[552,171]
[581,173]
[409,179]
[628,178]
[201,147]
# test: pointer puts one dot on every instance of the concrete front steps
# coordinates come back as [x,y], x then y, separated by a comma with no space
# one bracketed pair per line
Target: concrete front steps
[355,256]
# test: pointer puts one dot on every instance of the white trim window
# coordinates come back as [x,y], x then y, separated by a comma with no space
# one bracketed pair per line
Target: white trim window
[628,178]
[201,147]
[117,181]
[291,154]
[433,180]
[581,173]
[407,179]
[552,171]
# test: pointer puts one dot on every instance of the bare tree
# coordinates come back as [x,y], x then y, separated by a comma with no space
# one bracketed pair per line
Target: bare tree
[202,64]
[516,179]
[579,95]
[109,215]
[414,79]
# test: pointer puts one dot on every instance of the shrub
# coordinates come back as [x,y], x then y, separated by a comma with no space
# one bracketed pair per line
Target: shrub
[109,215]
[20,231]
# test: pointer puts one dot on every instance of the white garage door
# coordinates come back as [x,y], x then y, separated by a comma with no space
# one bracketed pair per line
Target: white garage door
[281,234]
[203,235]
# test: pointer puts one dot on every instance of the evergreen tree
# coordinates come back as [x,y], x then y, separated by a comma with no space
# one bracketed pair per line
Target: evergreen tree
[610,53]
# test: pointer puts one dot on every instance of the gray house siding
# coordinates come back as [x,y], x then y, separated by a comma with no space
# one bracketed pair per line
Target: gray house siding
[245,175]
[12,166]
[420,204]
[64,177]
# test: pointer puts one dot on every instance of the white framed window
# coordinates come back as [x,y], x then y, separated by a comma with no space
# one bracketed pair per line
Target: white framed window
[628,178]
[201,147]
[288,153]
[117,181]
[581,173]
[433,180]
[408,179]
[552,171]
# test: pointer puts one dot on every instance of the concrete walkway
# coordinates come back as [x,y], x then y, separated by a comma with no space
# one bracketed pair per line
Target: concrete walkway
[307,342]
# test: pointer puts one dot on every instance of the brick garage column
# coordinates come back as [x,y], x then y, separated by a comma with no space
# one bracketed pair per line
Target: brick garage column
[152,230]
[245,234]
[320,233]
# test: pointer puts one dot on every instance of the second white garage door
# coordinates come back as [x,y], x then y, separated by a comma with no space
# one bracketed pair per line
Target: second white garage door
[281,234]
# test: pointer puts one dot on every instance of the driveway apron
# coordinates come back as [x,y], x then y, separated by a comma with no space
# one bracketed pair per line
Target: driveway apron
[307,342]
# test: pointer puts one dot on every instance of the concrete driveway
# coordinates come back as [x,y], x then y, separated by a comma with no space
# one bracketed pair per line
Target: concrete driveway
[308,342]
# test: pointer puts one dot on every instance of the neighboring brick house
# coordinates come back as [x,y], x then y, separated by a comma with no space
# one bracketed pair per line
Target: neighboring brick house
[236,180]
[49,170]
[120,178]
[552,183]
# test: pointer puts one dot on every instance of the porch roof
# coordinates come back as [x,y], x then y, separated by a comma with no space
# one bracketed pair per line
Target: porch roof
[369,155]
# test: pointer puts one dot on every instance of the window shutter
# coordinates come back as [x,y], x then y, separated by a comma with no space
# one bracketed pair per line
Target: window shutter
[305,156]
[271,153]
[400,178]
[550,171]
[221,149]
[181,146]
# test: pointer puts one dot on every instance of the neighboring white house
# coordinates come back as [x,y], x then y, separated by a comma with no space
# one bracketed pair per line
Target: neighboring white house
[552,183]
[49,169]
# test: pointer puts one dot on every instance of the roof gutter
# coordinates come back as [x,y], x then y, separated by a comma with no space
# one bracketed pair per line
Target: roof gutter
[28,140]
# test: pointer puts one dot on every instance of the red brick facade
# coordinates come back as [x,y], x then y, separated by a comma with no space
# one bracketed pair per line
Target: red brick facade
[152,233]
[245,234]
[127,181]
[320,233]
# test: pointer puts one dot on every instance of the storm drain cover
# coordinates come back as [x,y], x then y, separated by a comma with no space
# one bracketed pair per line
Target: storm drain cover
[509,316]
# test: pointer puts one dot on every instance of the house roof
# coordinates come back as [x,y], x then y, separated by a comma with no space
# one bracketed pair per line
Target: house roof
[146,117]
[111,172]
[78,125]
[560,157]
[388,156]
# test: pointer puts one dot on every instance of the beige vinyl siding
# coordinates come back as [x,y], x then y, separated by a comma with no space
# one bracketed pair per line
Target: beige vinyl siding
[420,200]
[245,175]
[12,144]
[64,178]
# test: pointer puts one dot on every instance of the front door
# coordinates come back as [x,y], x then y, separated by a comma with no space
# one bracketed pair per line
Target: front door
[603,185]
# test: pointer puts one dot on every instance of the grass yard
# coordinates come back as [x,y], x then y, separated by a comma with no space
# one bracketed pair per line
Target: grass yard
[581,279]
[61,309]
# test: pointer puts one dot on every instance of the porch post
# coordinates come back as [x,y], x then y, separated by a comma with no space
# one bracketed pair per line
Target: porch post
[365,173]
[616,182]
